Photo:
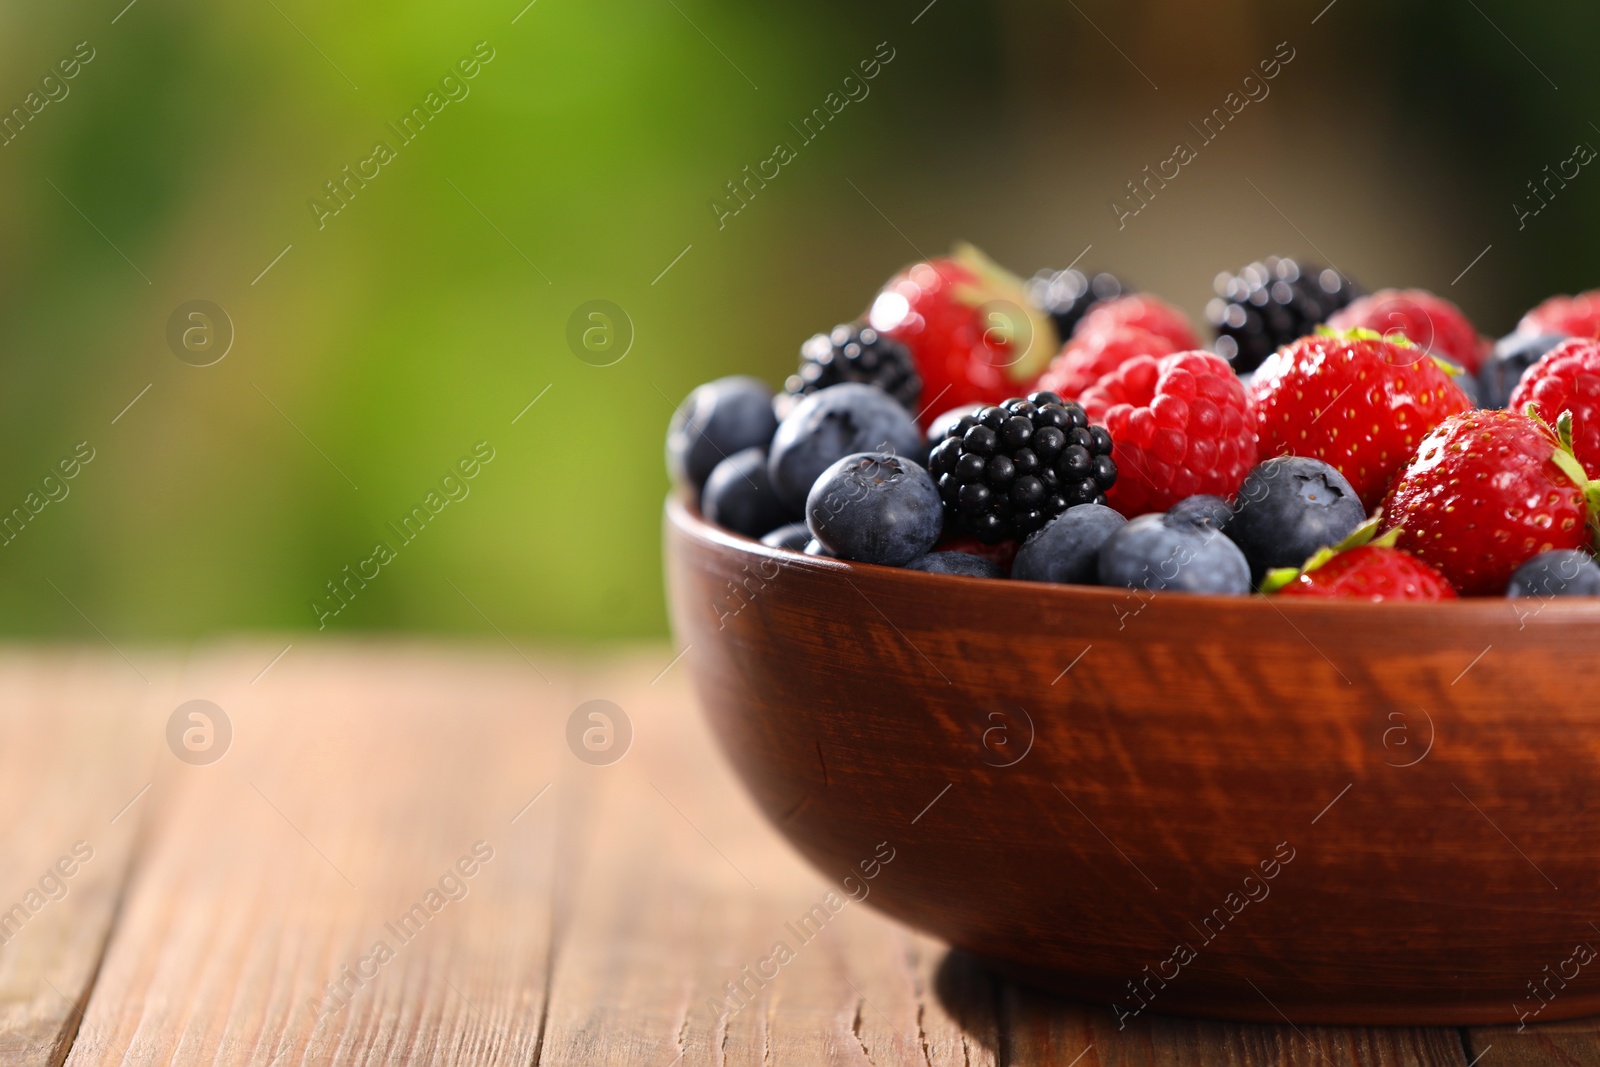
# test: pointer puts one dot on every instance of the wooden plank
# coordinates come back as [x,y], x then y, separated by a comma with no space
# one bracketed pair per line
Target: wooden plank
[688,887]
[1045,1030]
[615,910]
[668,914]
[77,745]
[1574,1043]
[363,785]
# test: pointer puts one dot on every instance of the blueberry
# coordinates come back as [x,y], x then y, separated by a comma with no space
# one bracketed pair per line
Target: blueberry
[1067,548]
[1513,355]
[1288,507]
[715,421]
[1151,553]
[1559,572]
[963,563]
[1202,509]
[792,536]
[817,548]
[875,507]
[739,497]
[833,423]
[1467,383]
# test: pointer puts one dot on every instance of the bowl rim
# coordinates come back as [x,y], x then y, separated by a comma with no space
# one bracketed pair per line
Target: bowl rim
[685,516]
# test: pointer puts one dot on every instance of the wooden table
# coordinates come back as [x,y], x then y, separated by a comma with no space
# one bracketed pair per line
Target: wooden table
[410,820]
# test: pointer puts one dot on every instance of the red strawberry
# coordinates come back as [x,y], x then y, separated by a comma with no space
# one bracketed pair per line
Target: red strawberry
[1372,573]
[1353,400]
[1084,360]
[1433,324]
[1485,492]
[1575,316]
[974,334]
[1147,313]
[1362,568]
[1567,379]
[1181,425]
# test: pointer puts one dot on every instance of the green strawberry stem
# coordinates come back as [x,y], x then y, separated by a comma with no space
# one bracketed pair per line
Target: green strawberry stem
[1564,457]
[1361,536]
[1362,333]
[996,285]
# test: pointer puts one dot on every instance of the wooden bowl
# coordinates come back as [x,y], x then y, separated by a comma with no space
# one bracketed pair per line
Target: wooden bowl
[1241,807]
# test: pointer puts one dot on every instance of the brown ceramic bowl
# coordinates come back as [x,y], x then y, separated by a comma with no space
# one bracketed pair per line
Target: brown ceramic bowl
[1343,812]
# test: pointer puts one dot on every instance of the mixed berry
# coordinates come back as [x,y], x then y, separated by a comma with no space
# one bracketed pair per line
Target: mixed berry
[1066,429]
[1005,471]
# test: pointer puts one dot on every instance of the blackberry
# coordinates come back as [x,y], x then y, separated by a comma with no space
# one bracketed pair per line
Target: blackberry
[1067,295]
[1269,304]
[1006,471]
[856,353]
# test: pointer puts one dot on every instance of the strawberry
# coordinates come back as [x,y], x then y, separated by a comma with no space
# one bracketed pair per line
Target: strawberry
[1181,426]
[1372,573]
[1147,313]
[1487,491]
[973,333]
[1431,323]
[1084,360]
[1575,316]
[1356,401]
[1362,567]
[1567,379]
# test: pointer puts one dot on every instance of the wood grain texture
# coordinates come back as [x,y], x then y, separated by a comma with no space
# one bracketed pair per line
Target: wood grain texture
[354,786]
[1044,1030]
[686,890]
[76,747]
[603,931]
[1340,812]
[1569,1043]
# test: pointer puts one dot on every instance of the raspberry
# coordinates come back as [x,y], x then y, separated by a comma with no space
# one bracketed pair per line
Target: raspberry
[1433,324]
[1575,316]
[1182,426]
[1567,379]
[1085,360]
[1147,313]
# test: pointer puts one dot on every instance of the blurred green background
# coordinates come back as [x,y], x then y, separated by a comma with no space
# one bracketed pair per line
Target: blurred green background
[374,352]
